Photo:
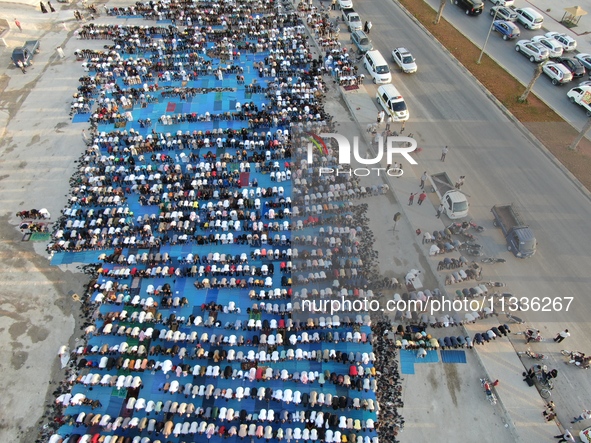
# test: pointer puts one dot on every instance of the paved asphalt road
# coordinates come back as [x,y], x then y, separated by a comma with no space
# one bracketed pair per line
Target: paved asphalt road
[502,165]
[476,29]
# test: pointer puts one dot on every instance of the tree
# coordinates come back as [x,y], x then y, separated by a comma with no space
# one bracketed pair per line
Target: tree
[576,141]
[532,82]
[440,12]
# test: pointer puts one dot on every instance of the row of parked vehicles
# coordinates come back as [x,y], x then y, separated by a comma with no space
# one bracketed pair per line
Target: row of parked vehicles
[387,96]
[549,48]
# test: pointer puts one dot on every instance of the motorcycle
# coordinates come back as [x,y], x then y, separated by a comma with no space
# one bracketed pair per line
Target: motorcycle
[513,318]
[461,229]
[471,248]
[471,245]
[577,358]
[493,260]
[534,355]
[487,386]
[473,252]
[473,225]
[455,228]
[495,284]
[532,335]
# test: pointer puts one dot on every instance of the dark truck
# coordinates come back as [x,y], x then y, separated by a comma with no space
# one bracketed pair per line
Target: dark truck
[26,53]
[520,238]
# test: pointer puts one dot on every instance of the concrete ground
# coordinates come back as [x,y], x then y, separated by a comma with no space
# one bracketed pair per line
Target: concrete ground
[37,153]
[38,149]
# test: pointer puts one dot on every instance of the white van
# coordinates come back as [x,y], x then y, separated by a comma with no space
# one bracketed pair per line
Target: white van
[529,18]
[392,102]
[377,66]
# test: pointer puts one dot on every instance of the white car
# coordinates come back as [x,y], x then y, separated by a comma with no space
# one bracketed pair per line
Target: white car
[404,59]
[567,42]
[536,52]
[503,2]
[558,73]
[585,60]
[553,45]
[343,4]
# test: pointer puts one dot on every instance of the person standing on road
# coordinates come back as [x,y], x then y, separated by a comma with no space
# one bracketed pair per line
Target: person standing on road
[21,66]
[388,122]
[333,5]
[422,197]
[50,6]
[567,437]
[561,336]
[423,179]
[439,210]
[411,199]
[585,415]
[460,181]
[444,152]
[381,116]
[18,25]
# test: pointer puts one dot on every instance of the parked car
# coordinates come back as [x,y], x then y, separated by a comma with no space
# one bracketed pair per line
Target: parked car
[508,30]
[567,42]
[404,59]
[553,45]
[536,52]
[345,4]
[503,2]
[529,18]
[362,41]
[558,73]
[585,59]
[573,65]
[503,13]
[581,95]
[472,7]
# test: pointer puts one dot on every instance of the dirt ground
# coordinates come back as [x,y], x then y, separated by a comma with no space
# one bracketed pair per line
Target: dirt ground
[548,127]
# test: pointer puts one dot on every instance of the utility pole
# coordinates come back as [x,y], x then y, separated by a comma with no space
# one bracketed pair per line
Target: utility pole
[487,37]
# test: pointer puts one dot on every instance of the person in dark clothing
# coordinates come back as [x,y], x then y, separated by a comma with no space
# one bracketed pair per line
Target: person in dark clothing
[43,8]
[50,7]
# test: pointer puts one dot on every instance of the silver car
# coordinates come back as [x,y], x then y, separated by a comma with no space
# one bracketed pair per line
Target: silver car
[503,13]
[404,59]
[362,41]
[553,45]
[536,52]
[585,60]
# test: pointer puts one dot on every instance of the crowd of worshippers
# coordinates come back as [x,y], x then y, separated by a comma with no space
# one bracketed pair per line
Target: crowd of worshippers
[185,12]
[158,173]
[389,389]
